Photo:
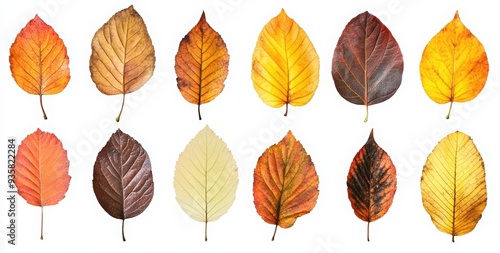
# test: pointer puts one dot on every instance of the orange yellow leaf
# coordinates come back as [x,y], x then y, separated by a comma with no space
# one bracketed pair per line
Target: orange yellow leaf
[41,170]
[39,61]
[371,182]
[453,185]
[123,56]
[285,65]
[454,65]
[285,183]
[201,64]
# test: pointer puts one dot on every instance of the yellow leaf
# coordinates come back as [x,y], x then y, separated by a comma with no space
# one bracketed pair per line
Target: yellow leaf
[285,65]
[454,66]
[206,177]
[453,185]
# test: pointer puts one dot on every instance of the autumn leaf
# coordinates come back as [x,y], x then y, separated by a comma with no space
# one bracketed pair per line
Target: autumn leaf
[453,185]
[367,65]
[285,184]
[371,183]
[285,65]
[123,180]
[39,61]
[41,171]
[201,64]
[454,66]
[123,56]
[205,178]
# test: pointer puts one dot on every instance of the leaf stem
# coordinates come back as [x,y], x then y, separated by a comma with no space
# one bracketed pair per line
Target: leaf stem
[286,109]
[275,228]
[123,230]
[41,227]
[121,110]
[368,232]
[449,111]
[453,238]
[366,118]
[206,224]
[199,113]
[43,110]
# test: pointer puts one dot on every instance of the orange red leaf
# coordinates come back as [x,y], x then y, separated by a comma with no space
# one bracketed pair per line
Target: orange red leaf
[285,183]
[371,182]
[39,61]
[201,64]
[41,170]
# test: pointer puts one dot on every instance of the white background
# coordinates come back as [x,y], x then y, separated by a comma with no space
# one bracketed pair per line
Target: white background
[332,130]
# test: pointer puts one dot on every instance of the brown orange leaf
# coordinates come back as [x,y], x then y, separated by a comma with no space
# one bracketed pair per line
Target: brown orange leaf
[38,60]
[285,183]
[123,56]
[201,64]
[41,170]
[371,182]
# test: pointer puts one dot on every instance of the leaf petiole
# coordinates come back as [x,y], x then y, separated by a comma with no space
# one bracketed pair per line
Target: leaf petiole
[121,110]
[43,110]
[274,234]
[449,110]
[41,226]
[123,230]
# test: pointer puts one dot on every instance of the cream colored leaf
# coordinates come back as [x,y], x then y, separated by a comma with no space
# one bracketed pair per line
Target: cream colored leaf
[206,177]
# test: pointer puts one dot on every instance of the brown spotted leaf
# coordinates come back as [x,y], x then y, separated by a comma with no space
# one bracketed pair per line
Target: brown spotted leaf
[201,64]
[123,180]
[285,183]
[371,182]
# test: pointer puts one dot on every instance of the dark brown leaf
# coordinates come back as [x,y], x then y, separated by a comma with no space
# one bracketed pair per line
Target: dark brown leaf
[367,65]
[123,180]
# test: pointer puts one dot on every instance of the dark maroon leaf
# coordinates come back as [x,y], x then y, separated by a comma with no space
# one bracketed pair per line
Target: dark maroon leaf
[123,180]
[367,65]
